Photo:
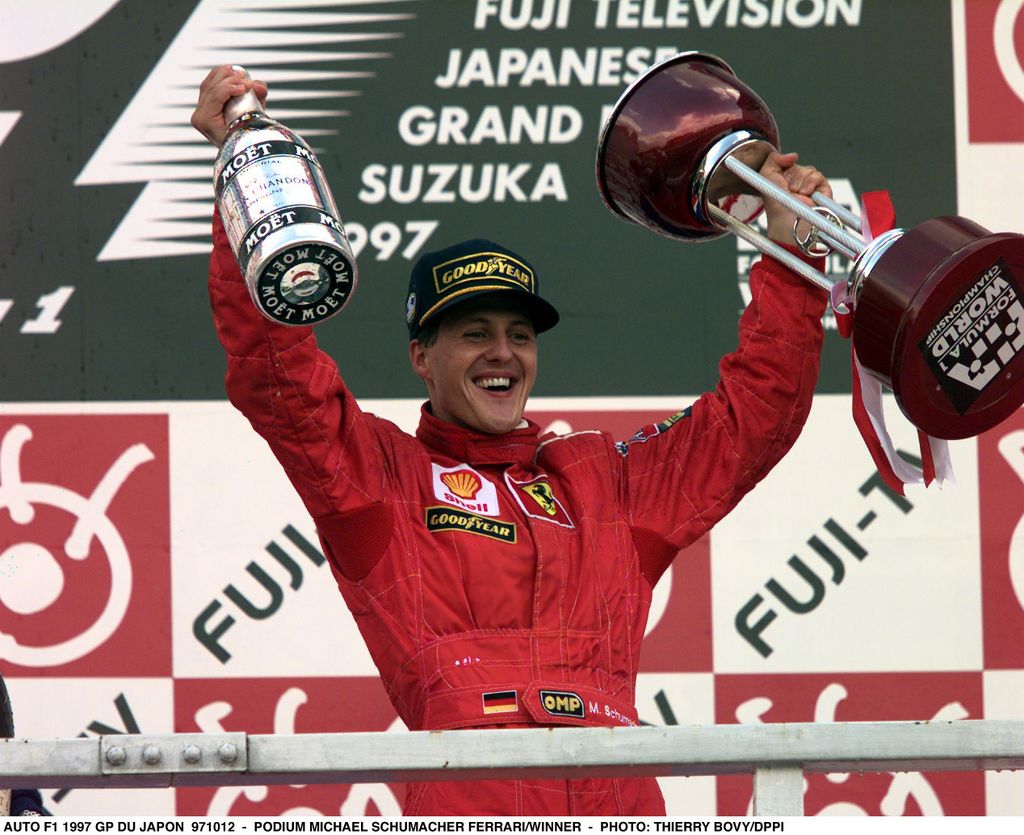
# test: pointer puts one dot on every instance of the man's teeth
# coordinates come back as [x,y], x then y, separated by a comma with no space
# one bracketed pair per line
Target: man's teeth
[494,382]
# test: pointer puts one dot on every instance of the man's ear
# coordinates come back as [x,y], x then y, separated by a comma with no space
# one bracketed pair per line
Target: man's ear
[418,359]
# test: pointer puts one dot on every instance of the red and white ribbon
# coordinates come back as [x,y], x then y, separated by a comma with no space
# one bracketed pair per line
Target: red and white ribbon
[877,216]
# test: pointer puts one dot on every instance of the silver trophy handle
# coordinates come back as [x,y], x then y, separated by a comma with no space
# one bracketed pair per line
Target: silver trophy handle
[845,215]
[833,225]
[769,247]
[834,236]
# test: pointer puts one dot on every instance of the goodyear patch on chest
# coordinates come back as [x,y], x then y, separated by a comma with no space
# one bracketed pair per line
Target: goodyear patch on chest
[451,519]
[562,703]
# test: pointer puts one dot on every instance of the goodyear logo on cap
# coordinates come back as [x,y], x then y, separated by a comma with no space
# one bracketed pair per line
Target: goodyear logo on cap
[482,266]
[561,703]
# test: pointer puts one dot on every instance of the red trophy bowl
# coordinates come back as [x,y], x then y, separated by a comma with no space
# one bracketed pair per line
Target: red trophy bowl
[669,126]
[938,310]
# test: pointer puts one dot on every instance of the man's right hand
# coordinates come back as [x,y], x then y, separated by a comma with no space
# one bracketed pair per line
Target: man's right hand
[221,83]
[800,181]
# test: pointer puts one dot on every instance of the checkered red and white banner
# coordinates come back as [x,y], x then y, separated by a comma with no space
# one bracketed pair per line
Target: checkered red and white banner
[163,577]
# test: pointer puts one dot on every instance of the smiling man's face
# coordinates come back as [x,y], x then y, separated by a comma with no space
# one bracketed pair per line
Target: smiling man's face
[481,368]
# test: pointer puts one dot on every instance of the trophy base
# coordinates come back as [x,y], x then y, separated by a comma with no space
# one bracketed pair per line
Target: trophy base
[940,320]
[304,283]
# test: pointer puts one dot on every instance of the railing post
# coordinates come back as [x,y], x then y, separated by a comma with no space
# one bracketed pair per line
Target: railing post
[779,791]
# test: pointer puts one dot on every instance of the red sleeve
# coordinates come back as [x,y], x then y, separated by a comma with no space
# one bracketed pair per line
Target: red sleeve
[686,476]
[294,397]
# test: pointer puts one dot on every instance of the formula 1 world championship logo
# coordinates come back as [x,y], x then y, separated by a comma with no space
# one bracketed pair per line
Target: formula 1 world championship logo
[325,45]
[67,572]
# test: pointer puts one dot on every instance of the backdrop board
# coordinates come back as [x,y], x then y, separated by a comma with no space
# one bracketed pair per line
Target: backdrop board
[200,599]
[435,121]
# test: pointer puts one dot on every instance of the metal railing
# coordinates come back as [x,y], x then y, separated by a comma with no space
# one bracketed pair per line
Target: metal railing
[777,755]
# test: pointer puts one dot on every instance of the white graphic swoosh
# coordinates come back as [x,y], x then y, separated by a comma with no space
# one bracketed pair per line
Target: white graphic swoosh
[8,118]
[284,43]
[42,25]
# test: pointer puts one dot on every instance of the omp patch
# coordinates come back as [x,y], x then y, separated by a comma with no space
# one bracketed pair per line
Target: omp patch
[562,703]
[503,701]
[449,519]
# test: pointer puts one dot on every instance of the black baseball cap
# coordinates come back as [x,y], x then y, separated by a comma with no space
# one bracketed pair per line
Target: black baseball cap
[466,271]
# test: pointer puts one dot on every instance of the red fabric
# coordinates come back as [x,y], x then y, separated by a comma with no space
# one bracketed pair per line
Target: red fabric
[844,322]
[927,459]
[878,215]
[867,431]
[878,211]
[531,600]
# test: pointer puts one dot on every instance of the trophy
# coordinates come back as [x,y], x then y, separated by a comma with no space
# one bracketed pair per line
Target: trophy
[281,219]
[938,310]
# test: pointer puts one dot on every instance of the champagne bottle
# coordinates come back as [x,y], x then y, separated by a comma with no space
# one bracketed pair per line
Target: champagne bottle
[281,218]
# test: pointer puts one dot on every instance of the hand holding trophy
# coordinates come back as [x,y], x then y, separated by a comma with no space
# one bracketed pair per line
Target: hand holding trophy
[937,309]
[280,216]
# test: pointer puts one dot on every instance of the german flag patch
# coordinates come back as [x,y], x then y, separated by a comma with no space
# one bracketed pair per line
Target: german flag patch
[503,701]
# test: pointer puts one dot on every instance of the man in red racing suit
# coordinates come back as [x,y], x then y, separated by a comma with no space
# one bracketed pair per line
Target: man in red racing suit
[503,579]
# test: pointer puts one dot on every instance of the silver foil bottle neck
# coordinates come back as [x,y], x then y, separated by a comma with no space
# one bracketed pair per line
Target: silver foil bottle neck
[239,106]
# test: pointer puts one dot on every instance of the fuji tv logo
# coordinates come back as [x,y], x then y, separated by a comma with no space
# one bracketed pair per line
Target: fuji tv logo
[34,573]
[993,35]
[215,717]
